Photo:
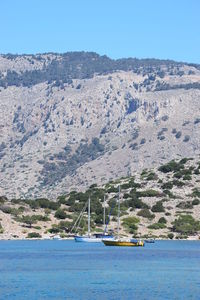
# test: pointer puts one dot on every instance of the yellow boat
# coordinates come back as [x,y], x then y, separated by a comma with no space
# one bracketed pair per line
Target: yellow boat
[124,243]
[120,241]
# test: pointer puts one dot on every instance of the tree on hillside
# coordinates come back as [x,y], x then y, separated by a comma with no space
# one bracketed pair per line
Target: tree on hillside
[28,220]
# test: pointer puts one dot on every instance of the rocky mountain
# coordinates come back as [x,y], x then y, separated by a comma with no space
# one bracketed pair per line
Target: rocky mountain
[71,120]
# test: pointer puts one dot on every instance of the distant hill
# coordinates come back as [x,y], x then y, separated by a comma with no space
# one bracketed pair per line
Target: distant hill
[63,68]
[75,119]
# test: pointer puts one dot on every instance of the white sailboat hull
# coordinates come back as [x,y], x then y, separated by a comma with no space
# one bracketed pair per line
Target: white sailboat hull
[92,239]
[87,239]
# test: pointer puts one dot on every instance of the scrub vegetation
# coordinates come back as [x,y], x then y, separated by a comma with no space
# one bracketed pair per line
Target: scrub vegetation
[152,203]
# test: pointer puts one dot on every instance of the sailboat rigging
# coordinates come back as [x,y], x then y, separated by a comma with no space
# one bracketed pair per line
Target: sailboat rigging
[117,241]
[95,237]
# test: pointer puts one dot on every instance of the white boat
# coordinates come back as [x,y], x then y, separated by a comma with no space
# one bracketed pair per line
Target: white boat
[56,237]
[95,238]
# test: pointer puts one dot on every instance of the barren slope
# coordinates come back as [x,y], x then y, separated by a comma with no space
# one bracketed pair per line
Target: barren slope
[55,136]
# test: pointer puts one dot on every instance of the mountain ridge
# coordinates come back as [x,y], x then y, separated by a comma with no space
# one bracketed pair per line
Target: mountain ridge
[59,132]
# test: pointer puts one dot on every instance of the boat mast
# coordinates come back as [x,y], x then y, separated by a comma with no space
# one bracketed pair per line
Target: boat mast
[118,221]
[89,216]
[104,214]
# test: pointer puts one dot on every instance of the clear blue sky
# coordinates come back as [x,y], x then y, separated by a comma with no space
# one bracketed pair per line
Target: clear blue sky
[117,28]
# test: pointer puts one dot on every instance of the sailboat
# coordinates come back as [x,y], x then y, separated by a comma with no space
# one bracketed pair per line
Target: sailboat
[93,238]
[117,241]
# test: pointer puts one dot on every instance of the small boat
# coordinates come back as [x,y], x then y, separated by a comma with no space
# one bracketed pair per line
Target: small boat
[94,238]
[150,241]
[117,241]
[56,237]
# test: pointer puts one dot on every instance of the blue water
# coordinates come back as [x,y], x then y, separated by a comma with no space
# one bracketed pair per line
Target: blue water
[69,270]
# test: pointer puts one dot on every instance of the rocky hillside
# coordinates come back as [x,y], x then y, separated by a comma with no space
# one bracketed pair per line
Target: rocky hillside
[163,202]
[71,120]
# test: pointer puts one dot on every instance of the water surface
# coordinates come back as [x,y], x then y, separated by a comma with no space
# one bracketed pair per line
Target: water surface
[68,270]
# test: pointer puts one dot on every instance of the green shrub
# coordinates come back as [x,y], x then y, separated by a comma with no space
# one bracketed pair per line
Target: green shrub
[196,171]
[158,207]
[32,219]
[21,209]
[37,227]
[187,177]
[62,199]
[172,166]
[169,193]
[148,193]
[82,197]
[187,171]
[42,203]
[137,203]
[40,218]
[170,236]
[130,220]
[152,176]
[62,226]
[184,160]
[145,213]
[13,211]
[144,173]
[76,207]
[1,229]
[28,220]
[157,226]
[51,205]
[54,229]
[178,183]
[98,219]
[167,185]
[195,202]
[170,184]
[126,196]
[6,209]
[195,193]
[186,224]
[130,184]
[113,190]
[47,211]
[60,214]
[178,175]
[70,201]
[33,235]
[185,205]
[65,225]
[3,199]
[130,224]
[162,220]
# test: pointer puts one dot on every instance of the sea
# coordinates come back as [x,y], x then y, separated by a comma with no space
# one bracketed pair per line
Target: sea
[63,269]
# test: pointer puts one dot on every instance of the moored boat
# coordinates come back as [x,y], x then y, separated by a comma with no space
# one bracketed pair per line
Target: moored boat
[126,243]
[150,241]
[96,238]
[117,241]
[93,238]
